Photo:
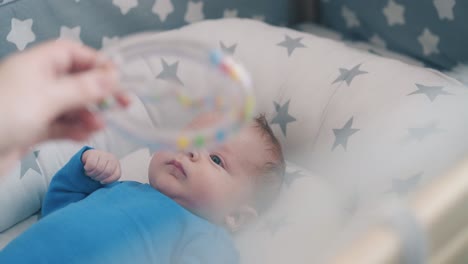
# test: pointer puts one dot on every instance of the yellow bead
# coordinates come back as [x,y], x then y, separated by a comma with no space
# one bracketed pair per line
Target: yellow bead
[234,72]
[183,142]
[249,106]
[184,100]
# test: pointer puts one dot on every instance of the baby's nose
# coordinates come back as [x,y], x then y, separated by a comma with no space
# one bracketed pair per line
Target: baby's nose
[193,155]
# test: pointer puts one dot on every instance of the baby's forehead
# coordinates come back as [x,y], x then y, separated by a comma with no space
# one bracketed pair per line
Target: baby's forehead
[248,158]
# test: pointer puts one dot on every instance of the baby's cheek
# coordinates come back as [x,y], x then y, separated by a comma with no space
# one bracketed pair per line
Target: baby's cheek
[208,198]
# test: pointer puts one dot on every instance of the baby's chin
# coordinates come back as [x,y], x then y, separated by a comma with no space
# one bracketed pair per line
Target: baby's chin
[162,188]
[169,192]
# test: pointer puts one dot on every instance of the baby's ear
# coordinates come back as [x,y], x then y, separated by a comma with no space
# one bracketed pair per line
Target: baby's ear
[239,218]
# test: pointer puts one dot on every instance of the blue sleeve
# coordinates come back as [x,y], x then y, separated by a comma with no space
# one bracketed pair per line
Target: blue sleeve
[211,248]
[70,184]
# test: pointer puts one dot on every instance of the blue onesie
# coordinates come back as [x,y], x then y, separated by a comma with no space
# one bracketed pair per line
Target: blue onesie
[125,222]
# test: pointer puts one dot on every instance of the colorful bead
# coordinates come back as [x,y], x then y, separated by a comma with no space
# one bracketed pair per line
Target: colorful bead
[234,72]
[184,100]
[225,67]
[244,77]
[236,105]
[182,142]
[105,104]
[220,136]
[216,56]
[249,106]
[199,141]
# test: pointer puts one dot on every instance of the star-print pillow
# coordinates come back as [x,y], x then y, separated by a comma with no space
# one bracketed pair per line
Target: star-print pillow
[431,31]
[100,23]
[21,191]
[377,48]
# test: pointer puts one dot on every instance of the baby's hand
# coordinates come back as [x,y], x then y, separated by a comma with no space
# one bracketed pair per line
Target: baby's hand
[101,166]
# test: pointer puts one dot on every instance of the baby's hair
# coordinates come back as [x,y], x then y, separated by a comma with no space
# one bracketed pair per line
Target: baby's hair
[268,183]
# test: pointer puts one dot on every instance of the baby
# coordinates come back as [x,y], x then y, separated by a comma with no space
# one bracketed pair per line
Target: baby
[184,215]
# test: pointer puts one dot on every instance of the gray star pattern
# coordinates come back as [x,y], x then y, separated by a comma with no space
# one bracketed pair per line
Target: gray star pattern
[4,2]
[169,72]
[342,134]
[282,117]
[228,50]
[291,44]
[374,52]
[420,133]
[430,91]
[404,186]
[348,75]
[29,162]
[290,177]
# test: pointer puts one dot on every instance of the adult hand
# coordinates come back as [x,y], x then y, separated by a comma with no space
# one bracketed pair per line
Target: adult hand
[45,92]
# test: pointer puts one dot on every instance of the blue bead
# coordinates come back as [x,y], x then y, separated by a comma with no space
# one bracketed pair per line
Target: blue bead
[216,56]
[220,136]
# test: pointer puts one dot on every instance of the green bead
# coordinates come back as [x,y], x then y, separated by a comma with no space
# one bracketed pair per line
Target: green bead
[199,141]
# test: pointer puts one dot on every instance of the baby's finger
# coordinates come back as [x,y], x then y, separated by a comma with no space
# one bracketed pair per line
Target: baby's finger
[102,176]
[90,163]
[118,172]
[104,171]
[114,177]
[106,181]
[98,168]
[112,168]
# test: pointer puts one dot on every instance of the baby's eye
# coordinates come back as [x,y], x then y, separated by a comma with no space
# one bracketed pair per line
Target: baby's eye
[216,159]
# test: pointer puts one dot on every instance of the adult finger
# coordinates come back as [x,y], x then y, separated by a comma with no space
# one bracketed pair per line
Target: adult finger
[83,89]
[78,125]
[64,56]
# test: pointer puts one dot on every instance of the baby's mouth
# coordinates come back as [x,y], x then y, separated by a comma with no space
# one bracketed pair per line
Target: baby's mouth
[179,172]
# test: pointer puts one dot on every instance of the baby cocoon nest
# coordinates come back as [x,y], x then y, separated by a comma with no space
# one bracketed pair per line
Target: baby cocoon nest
[184,215]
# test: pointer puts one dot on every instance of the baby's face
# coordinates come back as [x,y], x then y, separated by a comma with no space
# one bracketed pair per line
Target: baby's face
[211,183]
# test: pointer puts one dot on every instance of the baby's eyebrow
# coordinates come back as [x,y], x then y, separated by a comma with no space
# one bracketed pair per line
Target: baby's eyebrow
[244,163]
[226,153]
[232,158]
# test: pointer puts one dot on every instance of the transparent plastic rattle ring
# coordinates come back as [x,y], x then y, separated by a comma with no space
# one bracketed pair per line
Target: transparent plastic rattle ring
[183,94]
